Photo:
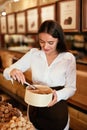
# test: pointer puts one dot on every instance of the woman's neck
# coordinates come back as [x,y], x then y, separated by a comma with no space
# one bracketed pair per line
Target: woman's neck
[51,58]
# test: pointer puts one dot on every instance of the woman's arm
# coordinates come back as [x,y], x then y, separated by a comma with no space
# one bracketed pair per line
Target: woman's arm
[16,70]
[70,85]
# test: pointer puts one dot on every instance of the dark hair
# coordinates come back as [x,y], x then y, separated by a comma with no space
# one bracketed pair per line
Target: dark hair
[55,30]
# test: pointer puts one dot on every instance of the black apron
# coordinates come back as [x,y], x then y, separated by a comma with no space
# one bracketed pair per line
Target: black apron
[50,118]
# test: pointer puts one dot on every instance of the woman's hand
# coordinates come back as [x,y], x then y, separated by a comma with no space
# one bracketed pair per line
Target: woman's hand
[18,75]
[54,100]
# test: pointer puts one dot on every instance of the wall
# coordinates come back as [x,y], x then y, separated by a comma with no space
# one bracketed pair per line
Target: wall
[25,4]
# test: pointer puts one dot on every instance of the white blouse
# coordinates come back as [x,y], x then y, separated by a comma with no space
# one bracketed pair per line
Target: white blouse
[61,72]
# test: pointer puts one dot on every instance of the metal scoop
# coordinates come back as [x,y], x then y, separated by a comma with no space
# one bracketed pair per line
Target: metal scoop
[30,85]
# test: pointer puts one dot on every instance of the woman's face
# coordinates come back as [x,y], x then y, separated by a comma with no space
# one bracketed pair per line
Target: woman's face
[48,43]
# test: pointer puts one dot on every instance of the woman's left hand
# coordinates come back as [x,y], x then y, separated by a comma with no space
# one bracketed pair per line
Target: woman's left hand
[54,100]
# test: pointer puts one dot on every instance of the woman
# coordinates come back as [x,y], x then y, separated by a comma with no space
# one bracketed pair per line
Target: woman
[54,66]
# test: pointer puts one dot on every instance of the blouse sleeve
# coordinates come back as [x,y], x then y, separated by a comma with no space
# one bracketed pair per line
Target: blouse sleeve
[22,64]
[70,85]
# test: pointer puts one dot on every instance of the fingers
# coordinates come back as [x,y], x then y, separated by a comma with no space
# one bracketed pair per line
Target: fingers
[54,101]
[17,75]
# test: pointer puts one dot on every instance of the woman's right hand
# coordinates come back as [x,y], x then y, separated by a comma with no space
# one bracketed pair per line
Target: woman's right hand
[18,75]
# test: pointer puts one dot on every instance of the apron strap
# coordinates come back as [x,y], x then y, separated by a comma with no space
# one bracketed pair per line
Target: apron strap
[58,87]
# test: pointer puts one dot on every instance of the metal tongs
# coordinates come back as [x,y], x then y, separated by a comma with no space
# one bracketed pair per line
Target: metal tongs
[30,85]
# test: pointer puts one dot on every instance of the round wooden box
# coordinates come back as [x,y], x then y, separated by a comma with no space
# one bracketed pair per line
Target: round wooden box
[39,97]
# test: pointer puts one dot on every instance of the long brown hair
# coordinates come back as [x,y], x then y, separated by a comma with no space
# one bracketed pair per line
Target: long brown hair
[55,30]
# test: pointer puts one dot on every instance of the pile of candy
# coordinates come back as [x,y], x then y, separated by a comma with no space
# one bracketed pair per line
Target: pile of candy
[12,118]
[7,112]
[18,123]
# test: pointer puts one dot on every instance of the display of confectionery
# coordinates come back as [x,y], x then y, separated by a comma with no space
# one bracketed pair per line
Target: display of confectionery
[18,123]
[7,112]
[12,118]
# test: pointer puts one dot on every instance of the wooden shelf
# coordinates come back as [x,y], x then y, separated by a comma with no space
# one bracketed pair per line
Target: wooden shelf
[14,96]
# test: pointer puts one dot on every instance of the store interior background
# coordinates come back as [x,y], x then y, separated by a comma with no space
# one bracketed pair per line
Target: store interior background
[75,40]
[20,43]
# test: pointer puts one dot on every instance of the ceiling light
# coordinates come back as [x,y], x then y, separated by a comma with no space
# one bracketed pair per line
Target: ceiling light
[3,13]
[15,0]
